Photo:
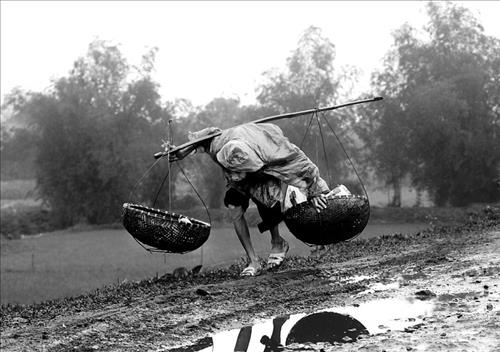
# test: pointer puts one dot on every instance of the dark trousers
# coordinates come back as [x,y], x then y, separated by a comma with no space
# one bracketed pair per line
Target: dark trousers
[270,216]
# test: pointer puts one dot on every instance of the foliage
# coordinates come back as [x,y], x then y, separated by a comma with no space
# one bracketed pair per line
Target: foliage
[440,122]
[310,80]
[18,190]
[96,132]
[26,220]
[386,141]
[18,140]
[17,153]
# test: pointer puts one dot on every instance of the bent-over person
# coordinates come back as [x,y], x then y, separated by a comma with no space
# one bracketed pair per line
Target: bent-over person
[261,164]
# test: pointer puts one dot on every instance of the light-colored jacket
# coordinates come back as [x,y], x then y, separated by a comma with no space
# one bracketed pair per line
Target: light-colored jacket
[262,150]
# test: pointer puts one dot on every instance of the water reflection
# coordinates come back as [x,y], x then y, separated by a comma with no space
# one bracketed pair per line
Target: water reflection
[318,327]
[334,325]
[326,327]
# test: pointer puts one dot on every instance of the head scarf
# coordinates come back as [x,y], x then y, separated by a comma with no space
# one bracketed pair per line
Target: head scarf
[236,155]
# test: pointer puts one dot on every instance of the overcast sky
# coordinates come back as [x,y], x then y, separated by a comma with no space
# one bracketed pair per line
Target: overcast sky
[206,49]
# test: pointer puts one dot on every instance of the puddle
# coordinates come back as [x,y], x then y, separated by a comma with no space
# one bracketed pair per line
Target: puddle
[333,325]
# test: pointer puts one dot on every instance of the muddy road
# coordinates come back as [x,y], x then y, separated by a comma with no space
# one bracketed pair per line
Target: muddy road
[438,290]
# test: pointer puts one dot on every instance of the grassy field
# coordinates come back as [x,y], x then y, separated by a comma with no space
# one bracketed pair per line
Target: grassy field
[68,263]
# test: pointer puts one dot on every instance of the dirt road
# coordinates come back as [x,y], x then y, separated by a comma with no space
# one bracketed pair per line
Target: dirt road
[452,272]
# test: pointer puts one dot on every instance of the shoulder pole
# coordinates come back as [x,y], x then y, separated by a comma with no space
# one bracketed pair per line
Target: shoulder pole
[267,119]
[310,111]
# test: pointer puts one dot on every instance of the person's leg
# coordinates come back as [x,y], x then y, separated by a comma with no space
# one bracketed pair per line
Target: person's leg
[278,243]
[277,325]
[237,204]
[279,249]
[271,217]
[243,233]
[274,343]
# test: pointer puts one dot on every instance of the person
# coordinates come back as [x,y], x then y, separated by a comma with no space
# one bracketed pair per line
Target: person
[260,164]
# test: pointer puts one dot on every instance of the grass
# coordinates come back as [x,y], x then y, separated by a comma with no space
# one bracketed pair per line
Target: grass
[68,263]
[58,264]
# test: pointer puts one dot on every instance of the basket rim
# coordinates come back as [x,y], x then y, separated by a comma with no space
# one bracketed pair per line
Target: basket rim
[345,196]
[157,214]
[332,199]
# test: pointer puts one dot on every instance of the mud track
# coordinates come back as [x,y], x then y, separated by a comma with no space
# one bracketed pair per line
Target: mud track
[458,267]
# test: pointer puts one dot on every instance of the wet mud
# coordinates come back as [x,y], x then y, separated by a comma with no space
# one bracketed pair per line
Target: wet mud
[435,291]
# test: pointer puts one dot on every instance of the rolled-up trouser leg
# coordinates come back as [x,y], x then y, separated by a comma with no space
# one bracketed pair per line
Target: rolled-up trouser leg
[271,217]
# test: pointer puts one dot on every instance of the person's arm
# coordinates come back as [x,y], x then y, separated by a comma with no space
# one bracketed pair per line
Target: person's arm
[301,172]
[316,187]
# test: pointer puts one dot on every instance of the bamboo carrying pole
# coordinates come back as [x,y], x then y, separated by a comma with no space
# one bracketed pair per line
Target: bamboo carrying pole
[264,120]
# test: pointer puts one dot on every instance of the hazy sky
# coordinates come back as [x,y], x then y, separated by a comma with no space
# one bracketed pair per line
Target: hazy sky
[206,49]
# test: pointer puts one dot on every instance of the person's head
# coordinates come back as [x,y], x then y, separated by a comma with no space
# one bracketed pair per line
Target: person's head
[238,157]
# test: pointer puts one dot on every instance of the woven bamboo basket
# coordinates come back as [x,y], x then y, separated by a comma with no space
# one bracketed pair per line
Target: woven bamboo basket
[344,218]
[164,231]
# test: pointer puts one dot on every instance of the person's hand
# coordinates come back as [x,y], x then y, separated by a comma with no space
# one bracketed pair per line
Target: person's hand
[319,202]
[167,147]
[236,176]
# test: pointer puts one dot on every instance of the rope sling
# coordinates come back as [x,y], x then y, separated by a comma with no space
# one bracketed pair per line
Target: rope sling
[344,218]
[158,230]
[164,231]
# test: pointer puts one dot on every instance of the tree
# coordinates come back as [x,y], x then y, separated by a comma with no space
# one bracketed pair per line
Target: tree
[444,93]
[309,80]
[96,132]
[387,144]
[17,153]
[18,140]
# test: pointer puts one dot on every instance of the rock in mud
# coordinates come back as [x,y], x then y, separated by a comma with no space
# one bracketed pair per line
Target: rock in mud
[425,294]
[202,292]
